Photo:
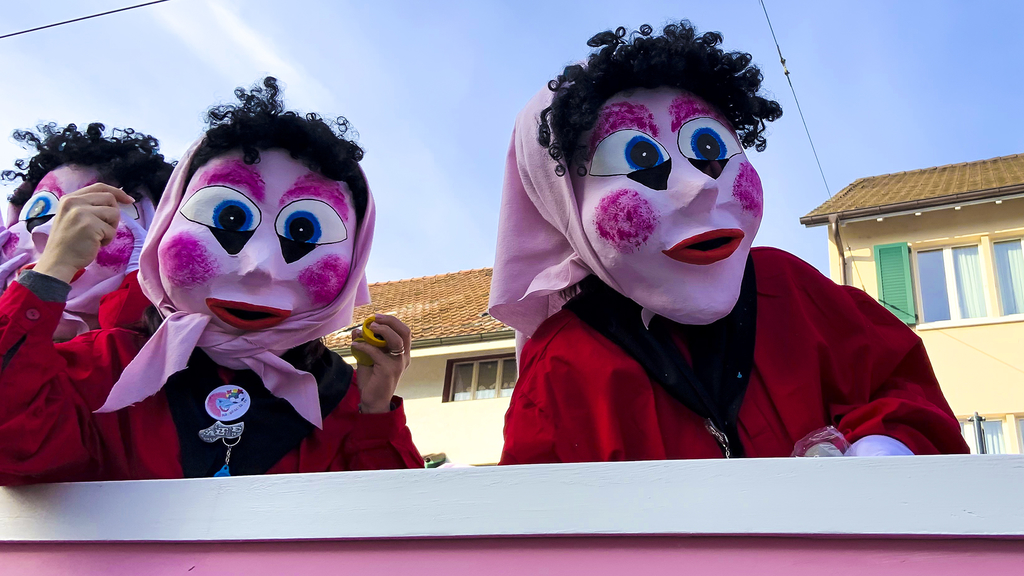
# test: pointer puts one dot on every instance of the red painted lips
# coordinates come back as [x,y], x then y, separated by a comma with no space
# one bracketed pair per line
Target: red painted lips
[246,316]
[707,247]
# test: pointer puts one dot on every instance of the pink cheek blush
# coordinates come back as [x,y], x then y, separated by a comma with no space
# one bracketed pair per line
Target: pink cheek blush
[324,279]
[186,262]
[625,219]
[10,245]
[747,190]
[117,254]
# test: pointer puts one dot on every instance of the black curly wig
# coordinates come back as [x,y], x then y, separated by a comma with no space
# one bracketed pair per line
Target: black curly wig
[128,158]
[678,58]
[260,122]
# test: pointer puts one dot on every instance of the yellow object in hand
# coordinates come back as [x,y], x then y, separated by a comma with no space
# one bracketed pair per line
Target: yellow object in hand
[370,338]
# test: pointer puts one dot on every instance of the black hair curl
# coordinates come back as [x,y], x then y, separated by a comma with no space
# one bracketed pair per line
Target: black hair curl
[128,158]
[678,58]
[260,122]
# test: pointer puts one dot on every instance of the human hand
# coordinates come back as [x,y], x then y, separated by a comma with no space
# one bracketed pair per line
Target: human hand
[377,383]
[86,220]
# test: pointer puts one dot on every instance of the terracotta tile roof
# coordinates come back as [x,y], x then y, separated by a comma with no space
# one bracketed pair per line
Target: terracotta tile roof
[441,306]
[929,183]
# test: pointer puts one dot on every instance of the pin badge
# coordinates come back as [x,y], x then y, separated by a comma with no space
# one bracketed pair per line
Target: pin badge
[227,403]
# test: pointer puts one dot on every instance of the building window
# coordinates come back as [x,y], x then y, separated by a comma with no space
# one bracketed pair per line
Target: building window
[993,429]
[1010,275]
[932,277]
[480,378]
[951,283]
[1020,434]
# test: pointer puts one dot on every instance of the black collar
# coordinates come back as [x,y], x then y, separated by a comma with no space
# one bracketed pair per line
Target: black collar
[272,427]
[722,352]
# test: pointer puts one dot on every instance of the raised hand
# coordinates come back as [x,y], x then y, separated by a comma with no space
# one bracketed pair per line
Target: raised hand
[377,383]
[86,220]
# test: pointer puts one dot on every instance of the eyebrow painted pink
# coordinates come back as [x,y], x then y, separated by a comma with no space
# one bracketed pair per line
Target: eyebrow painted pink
[620,116]
[235,173]
[321,188]
[50,184]
[686,107]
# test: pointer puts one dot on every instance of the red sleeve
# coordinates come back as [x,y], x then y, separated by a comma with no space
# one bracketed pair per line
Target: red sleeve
[123,307]
[905,401]
[876,377]
[48,392]
[381,442]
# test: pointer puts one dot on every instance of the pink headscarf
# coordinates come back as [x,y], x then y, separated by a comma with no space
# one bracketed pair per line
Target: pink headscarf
[169,349]
[542,247]
[9,266]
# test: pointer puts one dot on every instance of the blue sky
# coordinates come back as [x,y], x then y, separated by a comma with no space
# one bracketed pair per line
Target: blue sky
[433,89]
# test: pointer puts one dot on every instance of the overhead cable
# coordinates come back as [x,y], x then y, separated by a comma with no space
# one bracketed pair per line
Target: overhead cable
[55,24]
[795,99]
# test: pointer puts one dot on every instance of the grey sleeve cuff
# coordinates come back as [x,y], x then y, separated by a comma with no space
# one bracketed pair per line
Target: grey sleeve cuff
[47,288]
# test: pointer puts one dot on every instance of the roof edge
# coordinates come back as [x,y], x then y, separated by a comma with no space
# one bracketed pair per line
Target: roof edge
[442,275]
[812,220]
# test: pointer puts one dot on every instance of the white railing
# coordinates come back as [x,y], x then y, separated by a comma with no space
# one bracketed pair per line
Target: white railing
[922,496]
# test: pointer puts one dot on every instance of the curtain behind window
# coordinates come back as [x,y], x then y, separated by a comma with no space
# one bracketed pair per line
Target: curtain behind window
[994,436]
[967,267]
[1010,275]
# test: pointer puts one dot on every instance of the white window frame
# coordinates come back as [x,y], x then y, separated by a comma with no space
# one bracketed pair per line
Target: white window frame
[995,276]
[952,294]
[476,373]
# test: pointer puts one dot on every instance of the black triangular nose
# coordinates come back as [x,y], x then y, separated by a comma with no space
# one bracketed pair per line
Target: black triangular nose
[713,168]
[655,178]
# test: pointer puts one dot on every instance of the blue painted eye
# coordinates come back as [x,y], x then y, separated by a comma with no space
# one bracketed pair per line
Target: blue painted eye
[302,226]
[707,140]
[643,153]
[310,222]
[40,205]
[305,224]
[222,208]
[233,216]
[706,144]
[627,151]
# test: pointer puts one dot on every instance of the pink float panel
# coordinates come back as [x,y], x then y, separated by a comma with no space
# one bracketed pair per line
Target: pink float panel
[555,556]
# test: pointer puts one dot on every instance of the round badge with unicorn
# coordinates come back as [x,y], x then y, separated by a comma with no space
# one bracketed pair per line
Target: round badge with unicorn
[227,403]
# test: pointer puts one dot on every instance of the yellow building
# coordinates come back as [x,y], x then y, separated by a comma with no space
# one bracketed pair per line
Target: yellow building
[457,389]
[941,249]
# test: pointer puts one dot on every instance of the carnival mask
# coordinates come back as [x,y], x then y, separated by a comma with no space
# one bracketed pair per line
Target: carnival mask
[30,229]
[252,245]
[669,203]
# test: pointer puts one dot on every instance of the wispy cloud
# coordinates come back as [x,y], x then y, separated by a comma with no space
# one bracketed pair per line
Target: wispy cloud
[215,33]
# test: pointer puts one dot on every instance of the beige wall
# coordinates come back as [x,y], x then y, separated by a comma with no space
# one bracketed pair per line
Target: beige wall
[469,432]
[979,363]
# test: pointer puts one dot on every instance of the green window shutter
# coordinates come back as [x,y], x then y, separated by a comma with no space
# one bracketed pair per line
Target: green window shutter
[895,291]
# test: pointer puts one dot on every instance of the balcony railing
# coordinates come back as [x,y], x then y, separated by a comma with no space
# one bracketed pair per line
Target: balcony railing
[965,511]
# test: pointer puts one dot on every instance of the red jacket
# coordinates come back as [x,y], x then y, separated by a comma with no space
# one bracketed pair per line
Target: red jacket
[124,307]
[49,433]
[824,355]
